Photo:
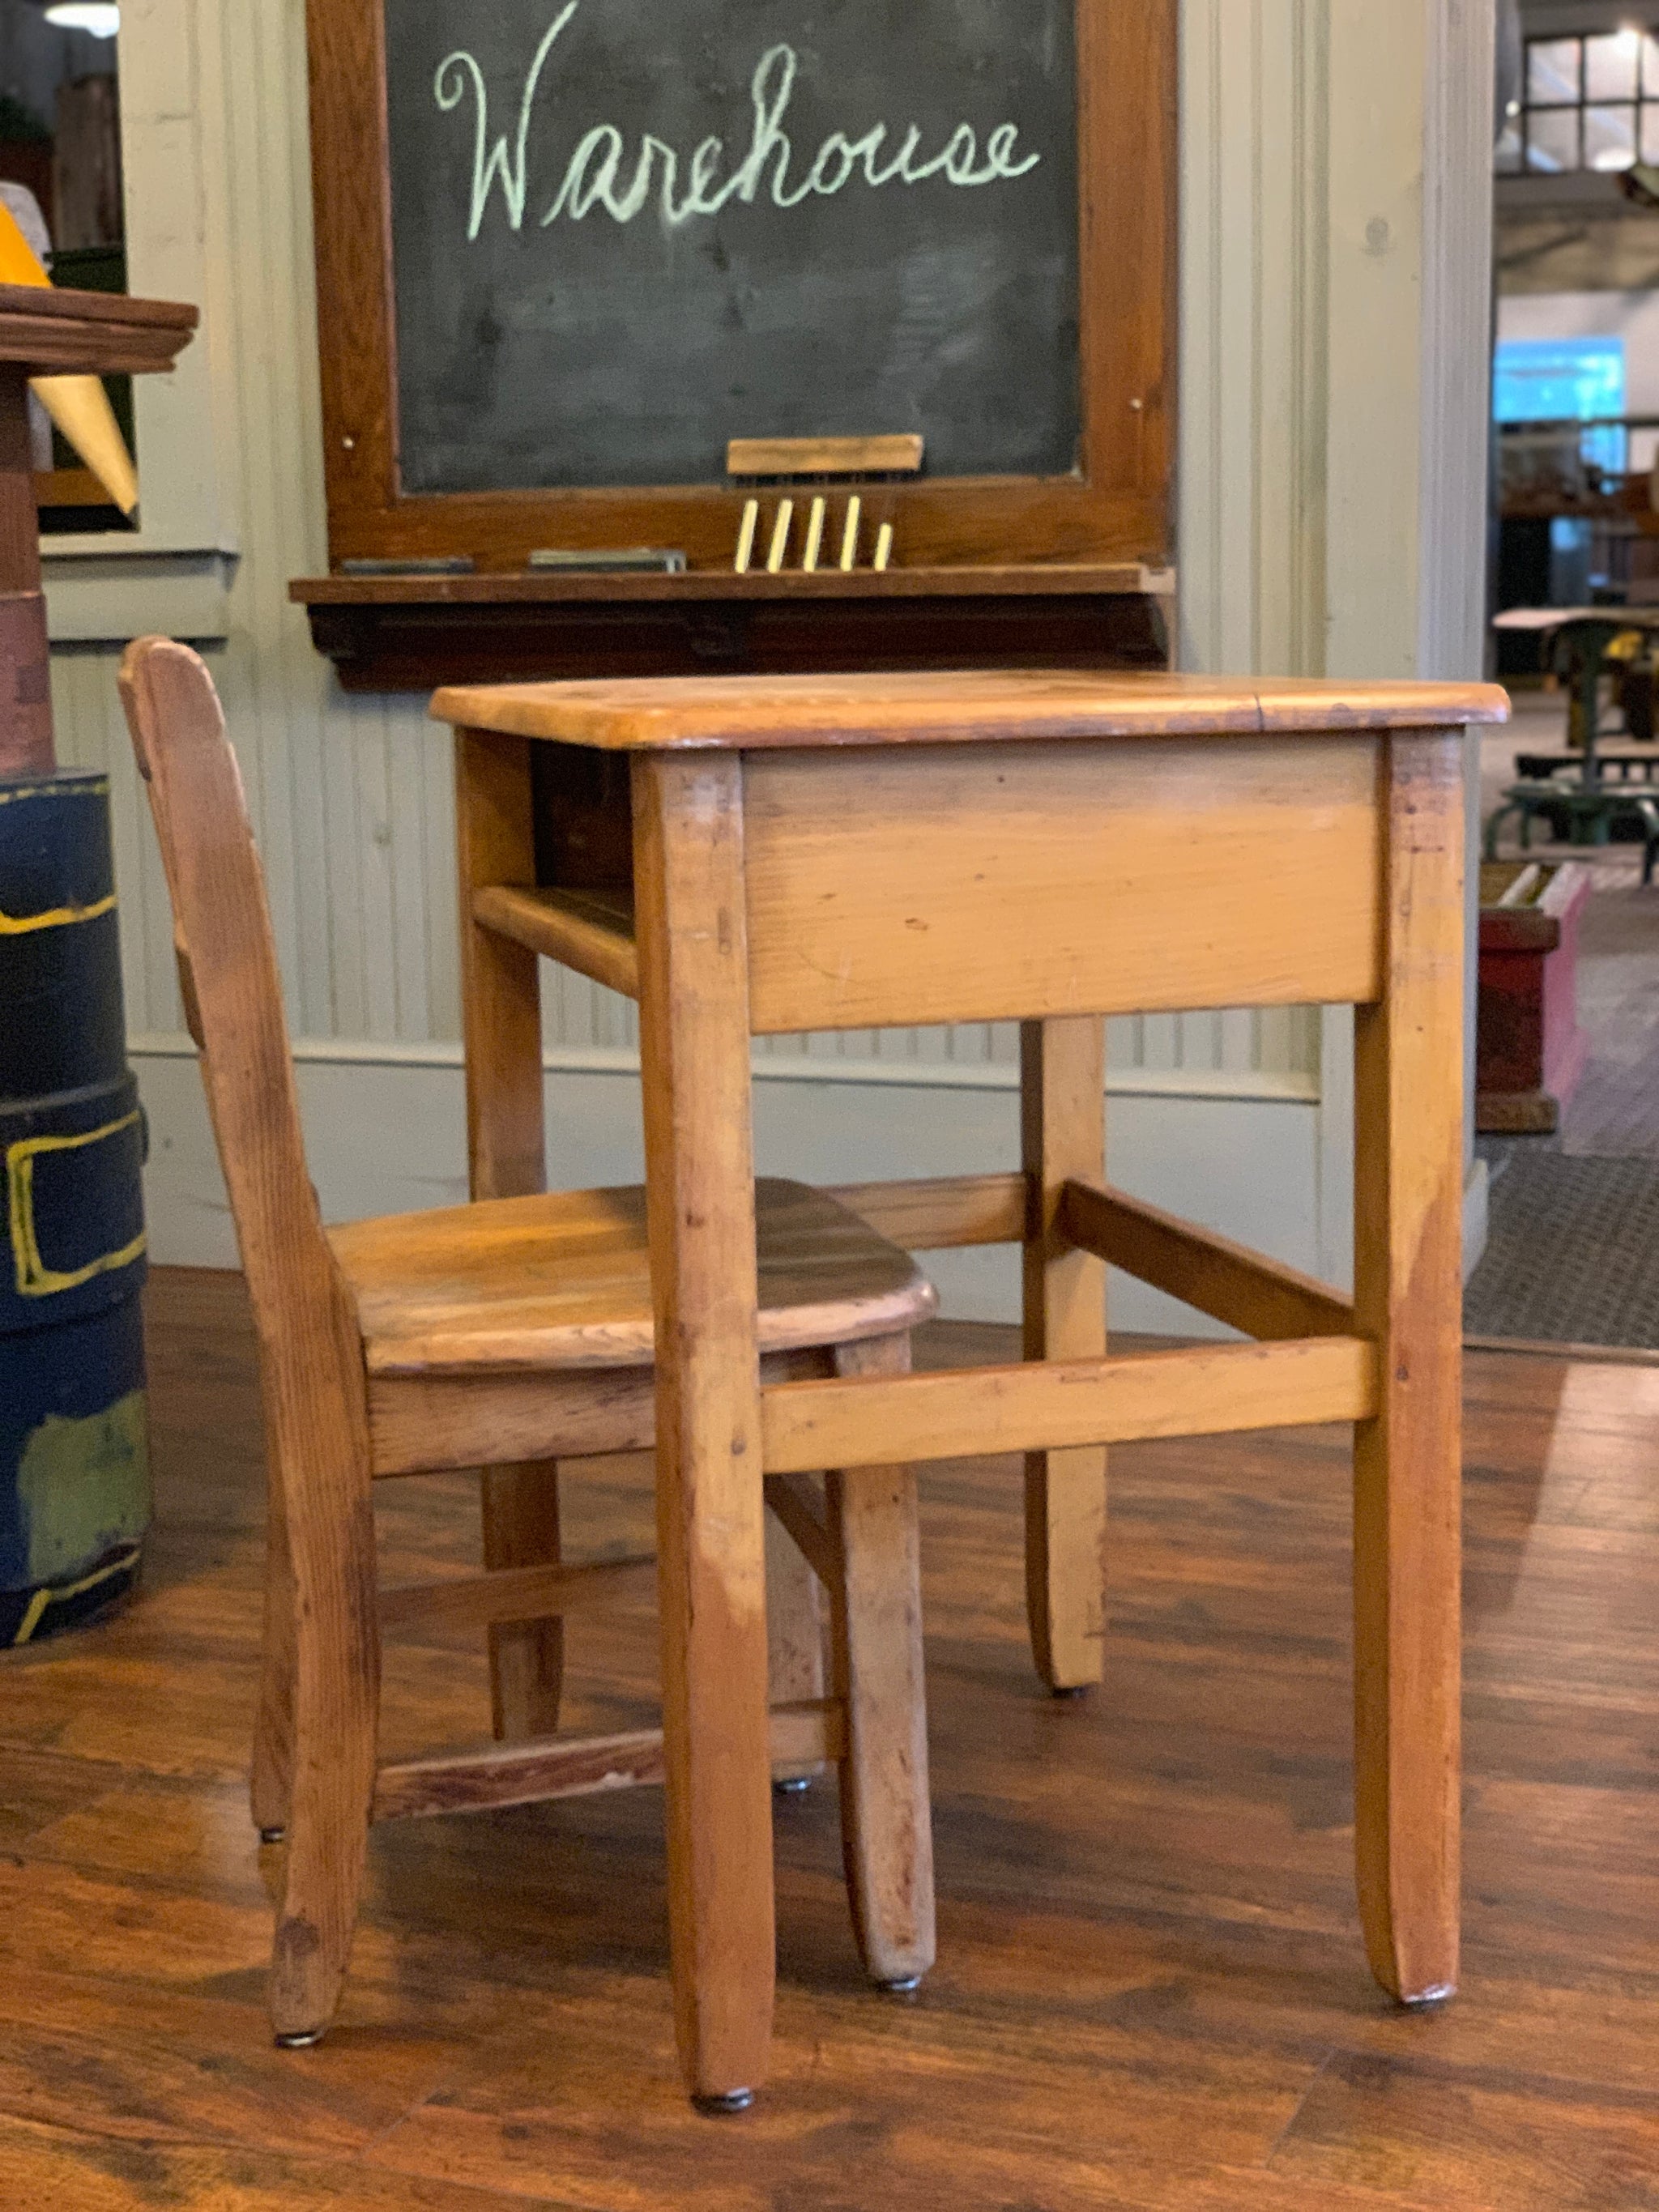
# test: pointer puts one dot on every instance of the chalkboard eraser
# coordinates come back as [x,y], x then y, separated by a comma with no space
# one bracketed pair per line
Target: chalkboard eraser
[426,564]
[898,454]
[612,560]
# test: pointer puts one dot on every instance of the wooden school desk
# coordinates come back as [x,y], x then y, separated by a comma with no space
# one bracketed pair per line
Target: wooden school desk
[754,856]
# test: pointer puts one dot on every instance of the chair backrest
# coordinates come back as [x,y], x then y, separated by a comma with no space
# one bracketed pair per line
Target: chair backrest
[232,991]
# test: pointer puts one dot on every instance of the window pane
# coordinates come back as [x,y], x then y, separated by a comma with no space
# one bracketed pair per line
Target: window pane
[1610,65]
[1507,160]
[1553,140]
[1650,131]
[1609,137]
[1552,71]
[1650,64]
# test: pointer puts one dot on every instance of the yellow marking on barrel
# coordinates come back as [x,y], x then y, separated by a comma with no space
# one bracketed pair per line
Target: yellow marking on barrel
[43,1598]
[54,917]
[65,788]
[34,1279]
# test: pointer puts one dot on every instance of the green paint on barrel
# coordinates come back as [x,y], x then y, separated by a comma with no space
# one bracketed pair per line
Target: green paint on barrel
[74,1497]
[84,1488]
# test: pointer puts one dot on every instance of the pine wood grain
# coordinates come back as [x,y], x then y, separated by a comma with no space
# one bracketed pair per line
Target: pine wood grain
[694,1055]
[564,1280]
[506,1158]
[1210,1390]
[593,935]
[901,708]
[1063,1286]
[940,1212]
[1008,880]
[310,1353]
[1207,1271]
[801,1738]
[1408,1214]
[875,1613]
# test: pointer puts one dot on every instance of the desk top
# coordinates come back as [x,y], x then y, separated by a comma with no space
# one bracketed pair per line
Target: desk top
[776,713]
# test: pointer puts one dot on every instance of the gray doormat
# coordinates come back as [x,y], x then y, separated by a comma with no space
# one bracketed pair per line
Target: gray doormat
[1572,1255]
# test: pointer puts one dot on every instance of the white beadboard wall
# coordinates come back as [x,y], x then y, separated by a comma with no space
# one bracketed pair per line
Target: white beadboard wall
[351,796]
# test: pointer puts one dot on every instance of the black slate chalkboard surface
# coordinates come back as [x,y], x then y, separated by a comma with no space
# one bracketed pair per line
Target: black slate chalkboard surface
[623,233]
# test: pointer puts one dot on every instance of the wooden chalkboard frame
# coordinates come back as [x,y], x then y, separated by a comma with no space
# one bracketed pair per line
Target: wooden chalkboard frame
[1115,508]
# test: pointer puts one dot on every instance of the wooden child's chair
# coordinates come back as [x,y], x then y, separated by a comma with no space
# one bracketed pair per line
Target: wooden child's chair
[503,1332]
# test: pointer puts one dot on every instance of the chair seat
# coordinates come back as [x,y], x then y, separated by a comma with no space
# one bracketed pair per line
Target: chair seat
[563,1281]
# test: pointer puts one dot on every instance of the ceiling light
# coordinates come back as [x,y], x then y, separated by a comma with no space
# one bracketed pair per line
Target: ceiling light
[101,17]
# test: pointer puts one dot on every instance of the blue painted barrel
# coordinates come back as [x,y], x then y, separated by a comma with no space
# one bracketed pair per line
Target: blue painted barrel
[74,1463]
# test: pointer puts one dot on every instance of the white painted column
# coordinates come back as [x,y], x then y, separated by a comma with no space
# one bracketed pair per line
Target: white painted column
[1409,374]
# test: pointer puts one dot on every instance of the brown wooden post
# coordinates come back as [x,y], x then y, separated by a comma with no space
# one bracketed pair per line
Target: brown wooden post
[25,745]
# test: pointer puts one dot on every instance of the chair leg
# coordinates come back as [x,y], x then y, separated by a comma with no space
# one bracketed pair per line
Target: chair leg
[794,1638]
[336,1712]
[526,1657]
[886,1822]
[273,1731]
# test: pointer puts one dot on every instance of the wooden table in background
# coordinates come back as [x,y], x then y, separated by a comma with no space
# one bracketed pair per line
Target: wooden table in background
[774,855]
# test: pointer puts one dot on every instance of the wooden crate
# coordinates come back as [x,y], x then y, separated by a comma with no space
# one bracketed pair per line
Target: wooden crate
[1530,1051]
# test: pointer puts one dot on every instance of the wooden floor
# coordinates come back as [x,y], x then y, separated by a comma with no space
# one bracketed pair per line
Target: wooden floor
[1149,1991]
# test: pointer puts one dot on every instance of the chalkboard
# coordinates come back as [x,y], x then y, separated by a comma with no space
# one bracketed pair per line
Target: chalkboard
[623,232]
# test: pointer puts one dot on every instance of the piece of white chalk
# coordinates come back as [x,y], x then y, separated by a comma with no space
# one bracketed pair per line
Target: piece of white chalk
[746,535]
[820,508]
[849,536]
[780,537]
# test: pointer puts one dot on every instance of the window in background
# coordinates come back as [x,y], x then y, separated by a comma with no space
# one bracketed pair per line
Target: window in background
[1586,103]
[1564,380]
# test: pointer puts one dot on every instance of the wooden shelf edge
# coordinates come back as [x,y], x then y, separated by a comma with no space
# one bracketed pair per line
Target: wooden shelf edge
[1102,579]
[91,333]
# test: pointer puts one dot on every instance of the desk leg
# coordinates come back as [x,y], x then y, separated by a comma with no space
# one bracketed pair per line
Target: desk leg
[693,1051]
[507,1155]
[1408,1290]
[1063,1133]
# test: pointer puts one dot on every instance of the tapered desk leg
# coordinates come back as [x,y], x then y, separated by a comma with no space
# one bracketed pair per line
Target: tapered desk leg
[507,1158]
[1063,1133]
[693,1051]
[1408,1225]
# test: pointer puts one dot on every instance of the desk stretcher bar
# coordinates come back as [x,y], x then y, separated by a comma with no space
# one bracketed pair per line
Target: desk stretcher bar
[1046,1406]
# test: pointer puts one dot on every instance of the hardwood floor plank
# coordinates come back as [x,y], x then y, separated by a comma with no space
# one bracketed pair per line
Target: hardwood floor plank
[42,2167]
[1506,2141]
[1150,1993]
[202,2070]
